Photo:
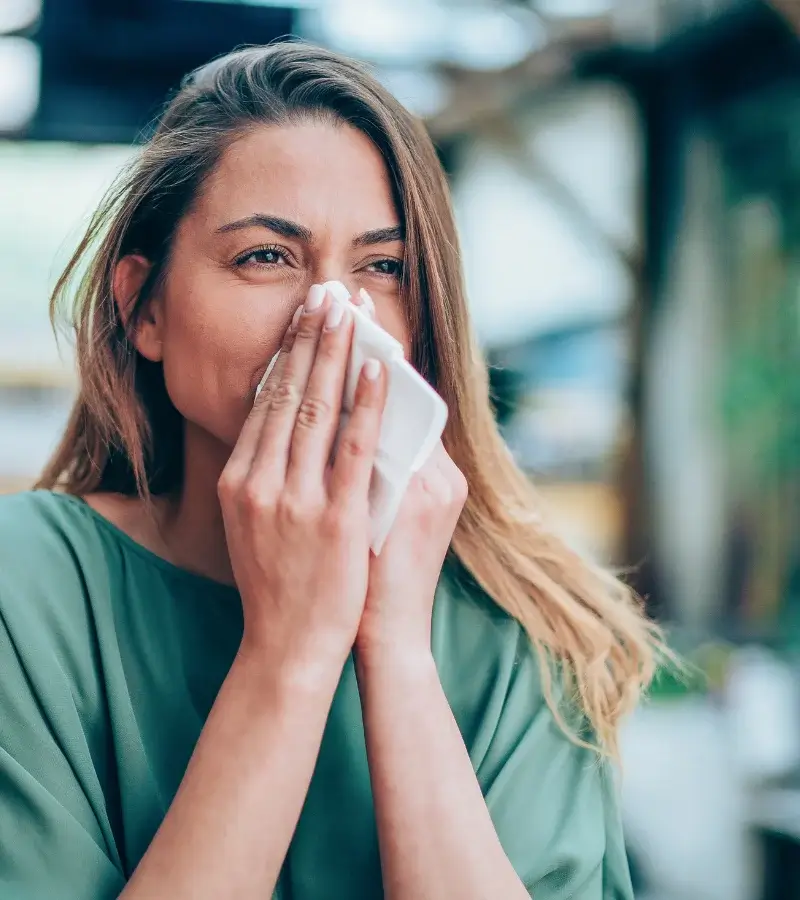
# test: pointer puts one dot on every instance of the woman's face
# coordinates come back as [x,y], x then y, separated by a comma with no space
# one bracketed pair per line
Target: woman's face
[288,207]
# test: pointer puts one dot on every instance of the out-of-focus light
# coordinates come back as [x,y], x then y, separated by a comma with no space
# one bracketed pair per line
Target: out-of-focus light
[421,91]
[18,14]
[575,9]
[19,83]
[383,30]
[493,38]
[285,4]
[420,32]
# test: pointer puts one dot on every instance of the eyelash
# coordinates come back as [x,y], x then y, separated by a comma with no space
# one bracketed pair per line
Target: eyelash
[398,263]
[247,259]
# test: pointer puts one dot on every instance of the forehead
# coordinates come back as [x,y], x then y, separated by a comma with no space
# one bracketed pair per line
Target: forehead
[322,175]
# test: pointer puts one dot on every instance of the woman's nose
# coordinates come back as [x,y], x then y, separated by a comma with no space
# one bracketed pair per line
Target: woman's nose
[350,286]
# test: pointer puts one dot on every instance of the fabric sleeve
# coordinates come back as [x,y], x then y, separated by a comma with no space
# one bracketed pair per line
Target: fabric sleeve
[55,837]
[554,804]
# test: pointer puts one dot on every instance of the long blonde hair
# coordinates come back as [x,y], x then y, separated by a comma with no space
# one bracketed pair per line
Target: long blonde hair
[124,435]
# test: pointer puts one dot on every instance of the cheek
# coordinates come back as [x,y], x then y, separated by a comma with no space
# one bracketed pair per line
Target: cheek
[215,344]
[391,318]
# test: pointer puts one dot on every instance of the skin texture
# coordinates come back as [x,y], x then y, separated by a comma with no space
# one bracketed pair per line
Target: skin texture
[263,507]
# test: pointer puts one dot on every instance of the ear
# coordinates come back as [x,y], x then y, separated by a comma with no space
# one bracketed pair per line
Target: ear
[130,275]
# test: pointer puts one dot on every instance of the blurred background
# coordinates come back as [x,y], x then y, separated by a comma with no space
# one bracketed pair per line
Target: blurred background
[626,176]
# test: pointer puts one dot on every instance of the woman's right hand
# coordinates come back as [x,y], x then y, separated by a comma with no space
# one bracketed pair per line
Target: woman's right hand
[297,525]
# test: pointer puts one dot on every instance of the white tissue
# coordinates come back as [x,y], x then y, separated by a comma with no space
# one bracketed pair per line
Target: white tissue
[413,419]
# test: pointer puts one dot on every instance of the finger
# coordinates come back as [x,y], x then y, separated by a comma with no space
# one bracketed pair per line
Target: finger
[272,373]
[272,376]
[318,415]
[274,441]
[366,301]
[243,452]
[444,479]
[437,458]
[355,454]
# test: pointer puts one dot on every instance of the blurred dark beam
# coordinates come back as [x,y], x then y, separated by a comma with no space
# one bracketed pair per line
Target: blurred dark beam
[480,96]
[693,78]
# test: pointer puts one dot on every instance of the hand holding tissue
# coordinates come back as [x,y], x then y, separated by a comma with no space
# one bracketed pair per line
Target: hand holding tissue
[413,419]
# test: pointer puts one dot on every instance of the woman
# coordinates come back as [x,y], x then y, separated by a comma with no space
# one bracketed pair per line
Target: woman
[210,687]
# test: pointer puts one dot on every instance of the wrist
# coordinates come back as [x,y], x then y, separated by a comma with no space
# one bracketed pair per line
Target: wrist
[395,627]
[405,662]
[308,670]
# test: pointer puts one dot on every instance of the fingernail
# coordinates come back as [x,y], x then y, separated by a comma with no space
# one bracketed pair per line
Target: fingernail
[367,301]
[296,317]
[334,316]
[372,369]
[315,297]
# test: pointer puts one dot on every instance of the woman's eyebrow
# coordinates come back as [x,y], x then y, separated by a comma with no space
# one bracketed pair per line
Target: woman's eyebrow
[380,236]
[289,229]
[284,227]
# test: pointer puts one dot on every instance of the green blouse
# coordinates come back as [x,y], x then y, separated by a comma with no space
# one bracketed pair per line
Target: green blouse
[110,660]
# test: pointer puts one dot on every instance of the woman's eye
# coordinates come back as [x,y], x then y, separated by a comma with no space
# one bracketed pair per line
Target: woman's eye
[391,268]
[262,256]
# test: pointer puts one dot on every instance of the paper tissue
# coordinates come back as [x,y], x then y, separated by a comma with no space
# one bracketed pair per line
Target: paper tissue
[413,419]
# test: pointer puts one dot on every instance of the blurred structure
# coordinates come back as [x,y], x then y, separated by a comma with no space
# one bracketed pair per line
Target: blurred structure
[626,176]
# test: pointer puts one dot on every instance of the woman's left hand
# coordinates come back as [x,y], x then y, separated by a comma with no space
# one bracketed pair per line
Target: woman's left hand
[403,578]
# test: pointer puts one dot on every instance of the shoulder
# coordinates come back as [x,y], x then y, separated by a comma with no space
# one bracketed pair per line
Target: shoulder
[553,801]
[489,669]
[469,628]
[54,721]
[39,515]
[44,535]
[51,556]
[56,614]
[504,692]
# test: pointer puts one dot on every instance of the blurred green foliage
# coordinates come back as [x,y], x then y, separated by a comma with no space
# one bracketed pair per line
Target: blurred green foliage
[761,389]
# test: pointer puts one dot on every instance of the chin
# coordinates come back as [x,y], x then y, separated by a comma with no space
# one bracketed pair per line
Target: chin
[212,438]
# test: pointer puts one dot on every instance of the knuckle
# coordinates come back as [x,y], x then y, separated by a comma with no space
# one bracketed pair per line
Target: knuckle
[263,399]
[433,493]
[253,499]
[295,512]
[228,486]
[283,396]
[330,349]
[307,329]
[313,412]
[354,445]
